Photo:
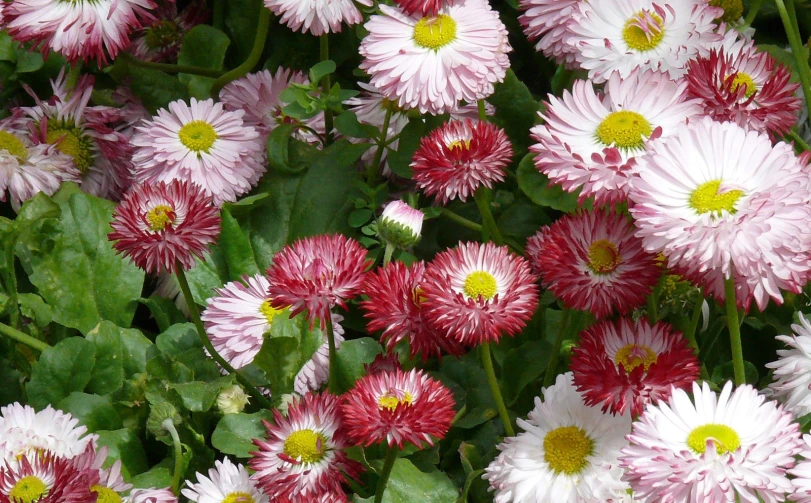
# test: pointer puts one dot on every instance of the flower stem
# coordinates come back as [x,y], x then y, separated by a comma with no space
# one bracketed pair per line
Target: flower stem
[10,280]
[332,384]
[482,198]
[552,366]
[388,253]
[169,426]
[487,363]
[388,464]
[798,140]
[482,110]
[464,222]
[786,10]
[253,57]
[23,338]
[218,17]
[201,332]
[327,84]
[734,329]
[374,168]
[168,68]
[754,7]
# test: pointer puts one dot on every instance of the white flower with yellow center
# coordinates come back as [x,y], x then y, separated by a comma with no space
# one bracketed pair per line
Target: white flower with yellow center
[226,483]
[620,35]
[567,452]
[713,449]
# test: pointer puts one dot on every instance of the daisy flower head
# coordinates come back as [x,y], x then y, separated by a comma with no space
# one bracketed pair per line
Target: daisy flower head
[716,449]
[741,85]
[802,474]
[624,364]
[225,482]
[476,293]
[78,29]
[590,140]
[238,317]
[108,484]
[792,370]
[202,143]
[258,95]
[593,262]
[547,23]
[422,7]
[567,452]
[398,407]
[431,63]
[317,16]
[46,478]
[302,454]
[161,38]
[162,224]
[720,202]
[619,36]
[459,157]
[400,225]
[316,273]
[395,306]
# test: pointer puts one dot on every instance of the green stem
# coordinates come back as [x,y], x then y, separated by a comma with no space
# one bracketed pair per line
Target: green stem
[786,10]
[165,67]
[653,311]
[253,57]
[754,7]
[552,366]
[388,253]
[798,140]
[690,334]
[482,198]
[482,110]
[734,329]
[10,280]
[487,363]
[218,17]
[459,219]
[388,464]
[23,338]
[374,168]
[201,332]
[327,85]
[333,366]
[459,415]
[169,426]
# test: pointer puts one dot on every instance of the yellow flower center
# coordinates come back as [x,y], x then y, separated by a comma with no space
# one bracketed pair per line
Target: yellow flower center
[269,311]
[105,494]
[418,296]
[73,143]
[631,356]
[28,489]
[733,9]
[566,449]
[460,144]
[644,31]
[238,497]
[706,199]
[480,284]
[603,257]
[724,438]
[198,136]
[13,145]
[392,400]
[435,31]
[624,129]
[160,216]
[305,445]
[744,79]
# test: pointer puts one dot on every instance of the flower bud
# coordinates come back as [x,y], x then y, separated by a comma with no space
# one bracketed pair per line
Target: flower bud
[232,400]
[400,224]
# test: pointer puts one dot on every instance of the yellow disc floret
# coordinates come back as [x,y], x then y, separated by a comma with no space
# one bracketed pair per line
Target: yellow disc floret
[105,494]
[460,144]
[624,129]
[603,257]
[480,284]
[160,216]
[28,489]
[744,79]
[644,31]
[566,449]
[238,497]
[13,145]
[724,438]
[306,446]
[392,400]
[707,199]
[269,311]
[631,356]
[435,31]
[73,142]
[198,136]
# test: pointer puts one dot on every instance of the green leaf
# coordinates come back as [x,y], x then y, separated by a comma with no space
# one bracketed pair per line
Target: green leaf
[351,359]
[321,70]
[156,89]
[10,383]
[288,346]
[177,339]
[407,484]
[33,307]
[240,24]
[537,187]
[157,476]
[61,370]
[75,268]
[284,159]
[28,61]
[516,374]
[234,433]
[516,110]
[7,48]
[203,46]
[348,125]
[237,248]
[108,373]
[400,159]
[163,311]
[124,444]
[199,396]
[94,411]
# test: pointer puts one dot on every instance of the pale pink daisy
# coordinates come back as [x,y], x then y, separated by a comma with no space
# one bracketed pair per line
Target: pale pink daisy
[42,477]
[201,143]
[160,39]
[792,370]
[590,140]
[432,63]
[713,449]
[547,22]
[259,96]
[226,482]
[317,16]
[619,36]
[802,474]
[720,202]
[77,29]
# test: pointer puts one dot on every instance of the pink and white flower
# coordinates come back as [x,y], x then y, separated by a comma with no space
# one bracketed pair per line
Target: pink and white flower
[317,16]
[547,22]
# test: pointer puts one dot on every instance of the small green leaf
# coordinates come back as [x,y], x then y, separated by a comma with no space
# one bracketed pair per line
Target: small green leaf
[177,339]
[203,46]
[61,370]
[125,445]
[407,484]
[33,307]
[537,187]
[236,248]
[94,411]
[279,154]
[108,372]
[28,61]
[352,357]
[321,70]
[400,160]
[348,125]
[235,433]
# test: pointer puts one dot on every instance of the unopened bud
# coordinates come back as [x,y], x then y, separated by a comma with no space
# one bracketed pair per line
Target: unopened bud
[400,224]
[232,400]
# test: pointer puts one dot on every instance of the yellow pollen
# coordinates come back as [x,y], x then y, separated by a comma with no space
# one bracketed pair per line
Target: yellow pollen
[306,446]
[238,497]
[631,356]
[603,257]
[460,144]
[28,489]
[160,216]
[480,284]
[105,494]
[725,438]
[13,145]
[566,449]
[706,199]
[644,31]
[198,136]
[392,400]
[418,296]
[269,311]
[624,129]
[435,32]
[73,143]
[743,79]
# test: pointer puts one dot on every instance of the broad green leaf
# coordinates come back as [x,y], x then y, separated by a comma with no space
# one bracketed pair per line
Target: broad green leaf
[321,70]
[235,433]
[287,155]
[157,476]
[10,383]
[516,374]
[203,46]
[7,48]
[516,110]
[236,248]
[399,160]
[94,411]
[537,187]
[407,484]
[124,444]
[348,125]
[352,357]
[28,61]
[287,347]
[155,89]
[61,370]
[33,307]
[199,396]
[240,21]
[108,373]
[177,339]
[163,311]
